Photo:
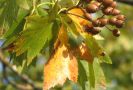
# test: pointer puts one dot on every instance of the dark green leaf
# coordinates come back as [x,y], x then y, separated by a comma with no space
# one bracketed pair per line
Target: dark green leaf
[17,25]
[82,77]
[9,13]
[74,41]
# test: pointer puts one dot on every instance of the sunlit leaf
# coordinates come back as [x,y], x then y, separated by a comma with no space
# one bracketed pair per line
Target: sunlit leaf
[36,33]
[23,4]
[62,65]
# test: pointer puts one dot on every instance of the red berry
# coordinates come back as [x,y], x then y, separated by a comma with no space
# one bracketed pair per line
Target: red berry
[116,32]
[103,22]
[112,21]
[114,4]
[107,2]
[115,12]
[120,17]
[108,10]
[119,23]
[92,8]
[96,23]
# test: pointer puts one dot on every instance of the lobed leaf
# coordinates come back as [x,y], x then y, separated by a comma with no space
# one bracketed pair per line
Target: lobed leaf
[62,65]
[36,33]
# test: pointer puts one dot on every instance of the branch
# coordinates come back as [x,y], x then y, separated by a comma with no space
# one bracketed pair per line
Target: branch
[23,77]
[18,86]
[130,2]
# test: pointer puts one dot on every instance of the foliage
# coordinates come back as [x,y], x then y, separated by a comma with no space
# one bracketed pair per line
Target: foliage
[38,31]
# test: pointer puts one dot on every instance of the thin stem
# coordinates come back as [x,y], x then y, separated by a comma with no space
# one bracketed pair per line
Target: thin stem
[76,15]
[45,3]
[108,28]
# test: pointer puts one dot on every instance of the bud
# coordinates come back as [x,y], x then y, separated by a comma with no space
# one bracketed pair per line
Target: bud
[102,53]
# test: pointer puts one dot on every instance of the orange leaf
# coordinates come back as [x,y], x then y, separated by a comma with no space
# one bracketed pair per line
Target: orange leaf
[62,37]
[76,15]
[61,66]
[85,53]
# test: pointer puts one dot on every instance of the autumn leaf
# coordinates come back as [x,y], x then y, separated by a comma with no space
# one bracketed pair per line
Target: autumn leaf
[85,53]
[62,65]
[78,17]
[75,15]
[62,37]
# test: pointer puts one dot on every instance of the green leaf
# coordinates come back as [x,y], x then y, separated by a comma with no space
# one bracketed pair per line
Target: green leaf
[54,11]
[41,11]
[106,58]
[23,4]
[9,13]
[17,26]
[70,24]
[91,75]
[55,31]
[74,41]
[67,3]
[15,29]
[36,33]
[96,77]
[96,49]
[82,77]
[92,45]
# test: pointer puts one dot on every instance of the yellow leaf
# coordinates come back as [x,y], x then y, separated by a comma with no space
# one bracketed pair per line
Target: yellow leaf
[85,53]
[78,17]
[62,65]
[76,14]
[62,37]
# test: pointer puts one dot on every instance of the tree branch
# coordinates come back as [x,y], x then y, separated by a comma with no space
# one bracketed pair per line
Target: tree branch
[18,86]
[23,77]
[129,2]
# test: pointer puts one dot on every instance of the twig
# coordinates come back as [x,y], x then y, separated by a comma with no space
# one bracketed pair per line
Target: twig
[129,2]
[23,77]
[18,86]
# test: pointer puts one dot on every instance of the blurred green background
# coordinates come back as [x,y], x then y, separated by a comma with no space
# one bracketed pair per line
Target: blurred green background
[119,75]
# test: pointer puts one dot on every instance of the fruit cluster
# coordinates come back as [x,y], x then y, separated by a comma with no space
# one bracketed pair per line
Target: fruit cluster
[111,16]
